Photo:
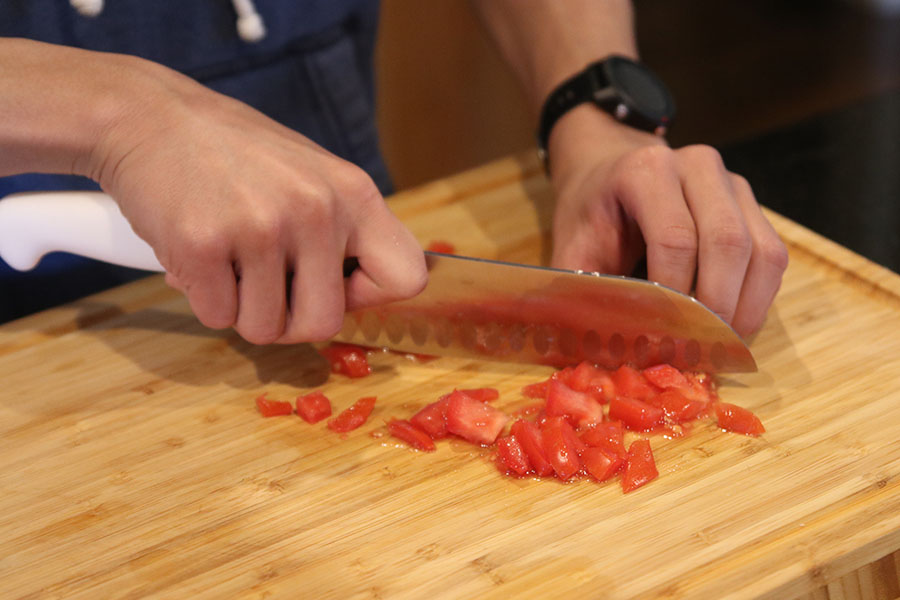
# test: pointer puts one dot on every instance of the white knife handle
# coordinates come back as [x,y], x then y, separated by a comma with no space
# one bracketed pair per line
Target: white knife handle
[89,224]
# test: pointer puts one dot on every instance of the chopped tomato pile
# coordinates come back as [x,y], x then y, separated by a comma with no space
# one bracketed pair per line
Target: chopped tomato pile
[575,429]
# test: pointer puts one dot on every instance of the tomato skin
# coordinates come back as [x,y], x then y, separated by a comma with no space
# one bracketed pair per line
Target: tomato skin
[579,407]
[562,453]
[313,407]
[529,436]
[347,359]
[640,467]
[354,416]
[635,414]
[412,435]
[472,420]
[677,407]
[512,456]
[665,376]
[609,435]
[432,419]
[273,408]
[737,419]
[601,463]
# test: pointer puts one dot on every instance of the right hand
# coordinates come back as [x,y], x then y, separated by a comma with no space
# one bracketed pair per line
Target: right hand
[250,219]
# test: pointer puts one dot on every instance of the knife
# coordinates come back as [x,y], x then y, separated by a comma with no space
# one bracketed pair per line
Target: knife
[471,307]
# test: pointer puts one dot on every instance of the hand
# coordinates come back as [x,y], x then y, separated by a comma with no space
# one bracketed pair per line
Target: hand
[622,192]
[250,219]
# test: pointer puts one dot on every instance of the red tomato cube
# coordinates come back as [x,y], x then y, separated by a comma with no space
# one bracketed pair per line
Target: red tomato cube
[273,408]
[482,394]
[666,376]
[412,435]
[512,457]
[347,359]
[529,436]
[432,419]
[475,421]
[601,463]
[561,452]
[313,407]
[640,467]
[536,390]
[677,407]
[739,420]
[635,414]
[631,383]
[354,416]
[579,407]
[609,435]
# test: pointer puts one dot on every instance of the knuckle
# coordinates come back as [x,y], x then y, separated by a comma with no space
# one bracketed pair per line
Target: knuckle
[679,240]
[741,185]
[264,225]
[732,238]
[322,328]
[703,155]
[259,334]
[653,158]
[774,252]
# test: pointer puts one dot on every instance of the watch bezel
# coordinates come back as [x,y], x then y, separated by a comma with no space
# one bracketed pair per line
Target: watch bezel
[614,93]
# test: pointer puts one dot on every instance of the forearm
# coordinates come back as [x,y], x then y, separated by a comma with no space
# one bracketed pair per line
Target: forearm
[546,41]
[57,104]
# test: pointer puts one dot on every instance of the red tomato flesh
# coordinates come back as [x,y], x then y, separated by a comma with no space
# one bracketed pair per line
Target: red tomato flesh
[433,419]
[665,376]
[273,408]
[482,394]
[739,420]
[609,435]
[561,452]
[441,246]
[631,383]
[536,390]
[635,414]
[412,435]
[601,463]
[640,468]
[677,407]
[472,420]
[347,359]
[313,407]
[529,436]
[580,408]
[512,457]
[354,416]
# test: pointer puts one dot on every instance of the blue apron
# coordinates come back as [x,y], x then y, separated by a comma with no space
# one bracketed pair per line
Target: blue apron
[312,72]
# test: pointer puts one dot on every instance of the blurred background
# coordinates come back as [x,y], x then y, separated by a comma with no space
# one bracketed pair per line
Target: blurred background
[737,69]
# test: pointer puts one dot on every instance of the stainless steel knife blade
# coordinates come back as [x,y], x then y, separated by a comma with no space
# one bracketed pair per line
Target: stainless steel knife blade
[487,309]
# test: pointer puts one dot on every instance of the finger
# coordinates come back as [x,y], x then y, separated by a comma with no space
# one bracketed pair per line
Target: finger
[724,240]
[767,263]
[317,294]
[651,192]
[209,285]
[391,262]
[261,295]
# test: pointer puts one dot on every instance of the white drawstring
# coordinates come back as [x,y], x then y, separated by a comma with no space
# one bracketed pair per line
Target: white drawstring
[88,8]
[250,25]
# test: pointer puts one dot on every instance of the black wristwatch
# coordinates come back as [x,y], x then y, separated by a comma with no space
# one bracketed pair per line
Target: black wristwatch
[626,89]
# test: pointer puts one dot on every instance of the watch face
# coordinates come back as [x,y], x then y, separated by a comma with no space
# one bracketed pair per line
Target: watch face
[641,90]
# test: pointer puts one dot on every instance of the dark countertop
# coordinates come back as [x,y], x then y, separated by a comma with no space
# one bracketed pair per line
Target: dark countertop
[837,174]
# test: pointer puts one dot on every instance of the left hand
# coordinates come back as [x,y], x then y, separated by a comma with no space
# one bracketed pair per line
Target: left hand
[622,192]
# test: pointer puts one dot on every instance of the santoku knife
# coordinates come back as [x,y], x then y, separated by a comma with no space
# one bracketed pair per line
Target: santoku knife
[471,307]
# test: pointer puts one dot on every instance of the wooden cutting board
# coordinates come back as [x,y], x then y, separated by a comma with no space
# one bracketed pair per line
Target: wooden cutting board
[133,462]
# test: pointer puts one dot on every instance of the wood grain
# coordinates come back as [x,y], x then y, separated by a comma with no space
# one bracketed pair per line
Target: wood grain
[133,463]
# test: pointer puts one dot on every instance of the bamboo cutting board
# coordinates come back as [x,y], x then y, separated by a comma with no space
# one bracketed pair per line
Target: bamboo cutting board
[133,462]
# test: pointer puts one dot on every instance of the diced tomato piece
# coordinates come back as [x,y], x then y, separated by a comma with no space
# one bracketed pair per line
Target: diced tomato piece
[737,419]
[677,407]
[482,394]
[354,416]
[635,414]
[561,452]
[273,408]
[579,378]
[601,463]
[536,390]
[609,435]
[433,419]
[529,436]
[666,376]
[441,246]
[700,388]
[581,408]
[347,359]
[477,422]
[631,383]
[590,378]
[640,468]
[412,435]
[512,456]
[313,407]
